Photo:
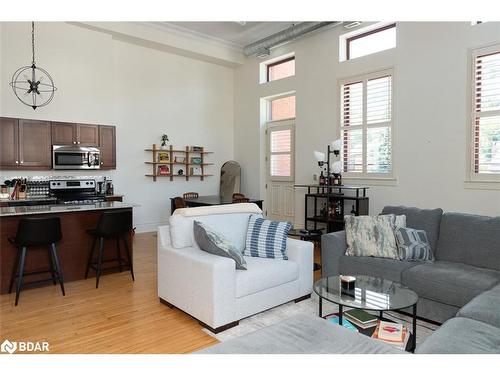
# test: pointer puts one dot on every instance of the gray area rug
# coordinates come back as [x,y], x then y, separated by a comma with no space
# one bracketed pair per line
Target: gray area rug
[309,307]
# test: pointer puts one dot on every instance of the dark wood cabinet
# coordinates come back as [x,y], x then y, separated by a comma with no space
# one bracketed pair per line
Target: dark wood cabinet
[9,133]
[107,145]
[34,144]
[87,135]
[65,133]
[25,144]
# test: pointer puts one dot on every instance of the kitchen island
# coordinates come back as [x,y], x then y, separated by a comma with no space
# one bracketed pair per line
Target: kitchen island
[73,249]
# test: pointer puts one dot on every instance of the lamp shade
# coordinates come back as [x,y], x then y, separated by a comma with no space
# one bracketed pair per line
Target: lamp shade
[337,167]
[319,156]
[337,145]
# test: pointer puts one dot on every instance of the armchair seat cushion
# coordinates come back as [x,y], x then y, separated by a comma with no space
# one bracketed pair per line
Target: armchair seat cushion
[485,307]
[263,273]
[378,267]
[448,282]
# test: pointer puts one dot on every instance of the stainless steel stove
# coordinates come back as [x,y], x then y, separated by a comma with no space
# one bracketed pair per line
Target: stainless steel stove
[72,191]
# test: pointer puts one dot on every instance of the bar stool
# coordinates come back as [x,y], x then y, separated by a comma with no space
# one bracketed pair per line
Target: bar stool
[36,232]
[112,225]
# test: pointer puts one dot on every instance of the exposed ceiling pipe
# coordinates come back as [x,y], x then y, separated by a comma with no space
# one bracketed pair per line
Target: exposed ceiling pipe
[262,48]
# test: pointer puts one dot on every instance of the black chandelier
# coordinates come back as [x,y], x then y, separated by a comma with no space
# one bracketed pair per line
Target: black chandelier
[31,84]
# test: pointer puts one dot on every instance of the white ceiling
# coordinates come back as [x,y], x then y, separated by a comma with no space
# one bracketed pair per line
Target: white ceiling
[235,33]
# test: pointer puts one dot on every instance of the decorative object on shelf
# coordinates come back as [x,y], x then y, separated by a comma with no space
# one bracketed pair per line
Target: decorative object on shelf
[31,84]
[347,284]
[195,160]
[333,172]
[164,140]
[163,157]
[163,170]
[179,159]
[195,171]
[196,149]
[180,172]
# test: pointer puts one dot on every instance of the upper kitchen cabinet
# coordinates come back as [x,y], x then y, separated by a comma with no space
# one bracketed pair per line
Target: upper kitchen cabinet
[64,133]
[107,145]
[9,133]
[25,144]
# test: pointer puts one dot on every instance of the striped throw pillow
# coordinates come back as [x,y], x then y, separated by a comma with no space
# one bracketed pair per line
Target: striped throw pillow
[413,244]
[266,238]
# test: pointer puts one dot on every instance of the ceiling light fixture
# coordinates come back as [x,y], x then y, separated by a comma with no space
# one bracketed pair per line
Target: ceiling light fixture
[31,84]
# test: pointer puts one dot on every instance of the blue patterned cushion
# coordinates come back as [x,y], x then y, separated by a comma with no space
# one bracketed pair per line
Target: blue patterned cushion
[266,238]
[413,244]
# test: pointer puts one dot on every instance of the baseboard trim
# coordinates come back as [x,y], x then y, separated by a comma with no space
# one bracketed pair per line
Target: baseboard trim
[303,298]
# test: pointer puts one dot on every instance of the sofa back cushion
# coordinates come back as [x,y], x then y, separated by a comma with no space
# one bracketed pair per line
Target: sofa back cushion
[470,239]
[232,226]
[417,218]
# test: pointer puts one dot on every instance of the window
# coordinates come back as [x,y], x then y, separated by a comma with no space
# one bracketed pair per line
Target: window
[281,69]
[366,124]
[281,151]
[368,42]
[282,108]
[485,114]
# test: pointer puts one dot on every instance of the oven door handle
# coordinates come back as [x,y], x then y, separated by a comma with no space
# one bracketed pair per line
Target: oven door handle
[88,160]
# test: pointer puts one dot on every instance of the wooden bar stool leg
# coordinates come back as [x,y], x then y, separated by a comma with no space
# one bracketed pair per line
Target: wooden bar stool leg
[51,263]
[129,258]
[118,253]
[22,259]
[15,267]
[91,257]
[99,261]
[58,267]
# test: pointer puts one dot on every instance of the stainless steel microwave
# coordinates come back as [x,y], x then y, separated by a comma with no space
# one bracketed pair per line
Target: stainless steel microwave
[75,157]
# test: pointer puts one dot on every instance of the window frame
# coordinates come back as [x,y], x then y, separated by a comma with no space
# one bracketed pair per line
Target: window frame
[473,176]
[278,62]
[348,40]
[364,78]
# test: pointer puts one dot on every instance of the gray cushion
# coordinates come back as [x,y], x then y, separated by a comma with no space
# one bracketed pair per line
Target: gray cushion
[302,334]
[451,283]
[214,243]
[417,218]
[485,307]
[470,239]
[462,336]
[378,267]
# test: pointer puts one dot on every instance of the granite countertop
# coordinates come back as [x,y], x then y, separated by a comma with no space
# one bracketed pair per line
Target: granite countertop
[62,208]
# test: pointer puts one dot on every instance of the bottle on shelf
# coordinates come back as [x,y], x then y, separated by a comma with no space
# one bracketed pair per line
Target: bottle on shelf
[353,211]
[322,180]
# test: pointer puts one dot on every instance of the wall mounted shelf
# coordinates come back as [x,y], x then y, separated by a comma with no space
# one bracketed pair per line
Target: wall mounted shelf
[170,163]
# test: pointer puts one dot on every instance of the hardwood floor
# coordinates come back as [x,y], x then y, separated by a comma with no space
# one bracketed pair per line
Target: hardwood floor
[120,317]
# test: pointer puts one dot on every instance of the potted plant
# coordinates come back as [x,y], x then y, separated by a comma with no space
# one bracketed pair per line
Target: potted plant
[164,140]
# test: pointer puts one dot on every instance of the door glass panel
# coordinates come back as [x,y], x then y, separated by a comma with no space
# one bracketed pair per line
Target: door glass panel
[281,141]
[281,165]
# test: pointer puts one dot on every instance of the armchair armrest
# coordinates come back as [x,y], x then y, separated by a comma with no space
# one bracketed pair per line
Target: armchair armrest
[333,247]
[199,283]
[302,253]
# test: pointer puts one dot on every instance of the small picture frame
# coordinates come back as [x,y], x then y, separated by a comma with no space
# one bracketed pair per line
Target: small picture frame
[163,157]
[195,171]
[196,149]
[163,170]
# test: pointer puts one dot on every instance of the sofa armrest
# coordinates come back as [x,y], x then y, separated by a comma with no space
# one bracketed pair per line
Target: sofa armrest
[302,253]
[333,247]
[199,283]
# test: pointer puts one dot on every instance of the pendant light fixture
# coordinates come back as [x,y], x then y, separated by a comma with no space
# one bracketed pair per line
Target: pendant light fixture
[31,84]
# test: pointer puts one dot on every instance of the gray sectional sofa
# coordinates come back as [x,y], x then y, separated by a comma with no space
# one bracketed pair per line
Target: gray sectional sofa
[467,252]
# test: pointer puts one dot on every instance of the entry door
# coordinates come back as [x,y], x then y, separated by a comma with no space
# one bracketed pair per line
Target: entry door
[280,160]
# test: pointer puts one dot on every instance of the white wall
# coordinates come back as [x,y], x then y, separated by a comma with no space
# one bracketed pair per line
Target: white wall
[431,72]
[143,92]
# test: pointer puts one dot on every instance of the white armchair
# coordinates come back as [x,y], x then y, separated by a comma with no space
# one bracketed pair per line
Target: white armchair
[210,289]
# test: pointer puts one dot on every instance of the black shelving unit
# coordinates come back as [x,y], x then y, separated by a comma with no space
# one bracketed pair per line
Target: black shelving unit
[338,196]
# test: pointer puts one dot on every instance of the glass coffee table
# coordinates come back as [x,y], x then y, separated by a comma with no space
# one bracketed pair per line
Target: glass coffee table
[370,293]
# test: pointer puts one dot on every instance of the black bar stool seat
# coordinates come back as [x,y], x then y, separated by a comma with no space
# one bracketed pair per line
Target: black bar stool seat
[36,232]
[116,224]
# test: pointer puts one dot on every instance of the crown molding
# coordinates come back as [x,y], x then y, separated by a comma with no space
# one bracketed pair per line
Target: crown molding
[200,37]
